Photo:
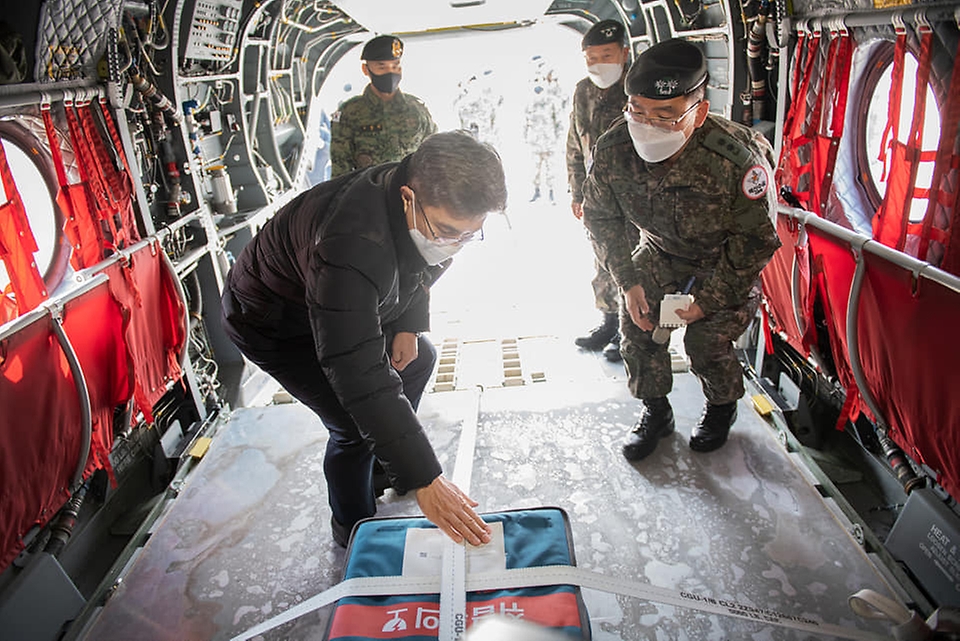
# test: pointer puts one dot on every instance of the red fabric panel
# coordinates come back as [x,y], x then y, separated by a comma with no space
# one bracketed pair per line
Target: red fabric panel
[17,245]
[81,226]
[910,363]
[887,222]
[893,101]
[120,176]
[94,325]
[833,265]
[39,438]
[794,167]
[118,195]
[8,309]
[91,176]
[941,208]
[890,224]
[951,258]
[812,132]
[776,279]
[833,107]
[156,322]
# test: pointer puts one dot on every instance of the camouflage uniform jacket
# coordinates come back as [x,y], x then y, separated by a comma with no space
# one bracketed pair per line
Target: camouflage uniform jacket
[594,110]
[708,213]
[543,124]
[369,131]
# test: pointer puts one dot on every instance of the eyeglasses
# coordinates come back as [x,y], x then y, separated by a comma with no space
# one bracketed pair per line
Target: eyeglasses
[464,237]
[664,123]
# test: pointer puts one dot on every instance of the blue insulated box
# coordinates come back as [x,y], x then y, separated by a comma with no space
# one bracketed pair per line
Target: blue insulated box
[413,547]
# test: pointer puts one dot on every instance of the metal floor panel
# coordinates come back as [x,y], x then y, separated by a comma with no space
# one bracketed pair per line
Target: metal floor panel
[249,535]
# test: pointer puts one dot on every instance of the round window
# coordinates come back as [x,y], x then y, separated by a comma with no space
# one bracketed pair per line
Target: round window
[878,107]
[36,184]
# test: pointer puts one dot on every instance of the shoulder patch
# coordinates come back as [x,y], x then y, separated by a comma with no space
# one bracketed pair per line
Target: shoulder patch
[614,135]
[727,146]
[755,183]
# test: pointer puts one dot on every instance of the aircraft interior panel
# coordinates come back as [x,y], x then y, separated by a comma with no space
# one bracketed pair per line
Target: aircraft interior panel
[156,484]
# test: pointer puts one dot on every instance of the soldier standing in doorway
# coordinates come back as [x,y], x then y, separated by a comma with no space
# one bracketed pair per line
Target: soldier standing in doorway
[597,101]
[543,126]
[478,107]
[383,124]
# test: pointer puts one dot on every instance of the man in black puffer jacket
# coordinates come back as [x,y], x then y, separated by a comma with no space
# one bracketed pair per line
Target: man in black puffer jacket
[330,298]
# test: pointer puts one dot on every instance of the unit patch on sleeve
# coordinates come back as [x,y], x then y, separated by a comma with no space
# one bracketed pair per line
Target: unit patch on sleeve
[755,183]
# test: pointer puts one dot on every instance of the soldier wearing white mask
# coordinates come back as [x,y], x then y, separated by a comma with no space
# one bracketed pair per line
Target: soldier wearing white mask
[701,189]
[597,101]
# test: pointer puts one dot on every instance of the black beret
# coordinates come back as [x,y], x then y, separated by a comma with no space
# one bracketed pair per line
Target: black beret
[382,48]
[604,32]
[666,70]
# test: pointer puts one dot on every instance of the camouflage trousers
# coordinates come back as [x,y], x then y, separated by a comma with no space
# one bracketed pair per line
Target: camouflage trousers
[606,294]
[708,343]
[543,173]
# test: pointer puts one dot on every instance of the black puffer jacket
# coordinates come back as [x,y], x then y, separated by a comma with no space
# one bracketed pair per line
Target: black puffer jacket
[337,262]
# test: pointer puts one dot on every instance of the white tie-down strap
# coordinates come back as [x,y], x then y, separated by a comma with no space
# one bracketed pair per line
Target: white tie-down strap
[568,575]
[72,37]
[563,575]
[909,626]
[453,596]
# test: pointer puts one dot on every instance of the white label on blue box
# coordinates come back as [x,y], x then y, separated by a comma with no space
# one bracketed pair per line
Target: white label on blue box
[423,552]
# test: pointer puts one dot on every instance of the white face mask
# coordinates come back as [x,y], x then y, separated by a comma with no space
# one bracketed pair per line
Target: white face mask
[654,144]
[432,251]
[605,74]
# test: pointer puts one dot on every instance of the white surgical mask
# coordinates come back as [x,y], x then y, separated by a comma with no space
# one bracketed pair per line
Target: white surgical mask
[654,144]
[432,251]
[605,74]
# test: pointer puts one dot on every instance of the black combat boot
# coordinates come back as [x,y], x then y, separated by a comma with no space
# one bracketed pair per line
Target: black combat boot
[600,335]
[656,421]
[714,426]
[536,194]
[612,351]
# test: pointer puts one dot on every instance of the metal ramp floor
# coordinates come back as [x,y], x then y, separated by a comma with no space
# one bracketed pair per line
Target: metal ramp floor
[248,536]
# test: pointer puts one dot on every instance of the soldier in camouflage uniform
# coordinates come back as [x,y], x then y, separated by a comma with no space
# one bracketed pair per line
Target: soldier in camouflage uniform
[383,124]
[700,189]
[543,125]
[478,107]
[597,101]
